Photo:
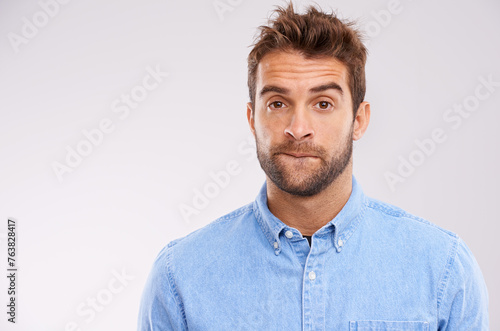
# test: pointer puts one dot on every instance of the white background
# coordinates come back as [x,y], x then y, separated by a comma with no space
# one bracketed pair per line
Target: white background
[115,210]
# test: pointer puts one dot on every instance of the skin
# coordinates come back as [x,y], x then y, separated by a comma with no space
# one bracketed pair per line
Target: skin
[303,130]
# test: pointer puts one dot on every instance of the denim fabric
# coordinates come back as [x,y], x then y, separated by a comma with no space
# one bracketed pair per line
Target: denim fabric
[373,267]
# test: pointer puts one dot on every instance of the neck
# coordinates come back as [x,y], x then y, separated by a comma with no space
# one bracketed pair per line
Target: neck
[309,214]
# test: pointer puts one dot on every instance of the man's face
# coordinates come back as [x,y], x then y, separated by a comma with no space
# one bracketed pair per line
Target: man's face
[302,122]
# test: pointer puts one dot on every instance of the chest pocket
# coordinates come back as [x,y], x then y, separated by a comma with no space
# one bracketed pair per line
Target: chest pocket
[388,326]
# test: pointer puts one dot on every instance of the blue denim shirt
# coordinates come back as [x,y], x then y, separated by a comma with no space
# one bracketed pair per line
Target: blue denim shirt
[373,267]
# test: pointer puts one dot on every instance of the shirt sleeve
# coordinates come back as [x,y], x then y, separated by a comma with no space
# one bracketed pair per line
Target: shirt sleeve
[160,308]
[463,296]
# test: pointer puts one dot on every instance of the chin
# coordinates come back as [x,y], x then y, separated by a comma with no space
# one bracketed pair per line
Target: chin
[301,189]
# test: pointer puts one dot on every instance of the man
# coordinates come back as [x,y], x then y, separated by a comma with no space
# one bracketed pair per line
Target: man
[312,252]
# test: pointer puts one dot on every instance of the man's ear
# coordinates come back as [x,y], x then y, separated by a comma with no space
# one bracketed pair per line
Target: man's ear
[250,117]
[361,121]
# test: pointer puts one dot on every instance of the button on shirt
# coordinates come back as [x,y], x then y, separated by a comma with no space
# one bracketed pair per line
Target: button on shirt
[373,267]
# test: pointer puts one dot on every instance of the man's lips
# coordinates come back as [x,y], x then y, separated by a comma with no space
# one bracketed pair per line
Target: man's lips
[300,154]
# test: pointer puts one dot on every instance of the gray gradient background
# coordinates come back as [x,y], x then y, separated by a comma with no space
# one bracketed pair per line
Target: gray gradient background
[120,206]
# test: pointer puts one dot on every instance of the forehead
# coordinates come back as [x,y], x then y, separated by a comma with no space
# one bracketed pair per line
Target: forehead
[296,71]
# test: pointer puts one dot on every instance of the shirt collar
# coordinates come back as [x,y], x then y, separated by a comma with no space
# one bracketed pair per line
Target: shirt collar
[341,226]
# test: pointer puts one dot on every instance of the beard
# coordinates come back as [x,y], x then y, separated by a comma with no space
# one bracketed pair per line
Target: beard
[303,177]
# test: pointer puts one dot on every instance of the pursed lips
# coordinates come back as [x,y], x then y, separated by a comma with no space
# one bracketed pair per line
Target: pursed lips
[299,155]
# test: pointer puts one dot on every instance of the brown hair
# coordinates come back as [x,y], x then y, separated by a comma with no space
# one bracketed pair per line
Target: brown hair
[314,34]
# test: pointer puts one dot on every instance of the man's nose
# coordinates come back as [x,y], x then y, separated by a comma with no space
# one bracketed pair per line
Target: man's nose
[300,125]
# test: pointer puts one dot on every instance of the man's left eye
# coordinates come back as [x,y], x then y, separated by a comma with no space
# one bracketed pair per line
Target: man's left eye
[324,105]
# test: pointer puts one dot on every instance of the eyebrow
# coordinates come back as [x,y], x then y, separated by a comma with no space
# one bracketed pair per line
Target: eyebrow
[329,86]
[320,88]
[271,88]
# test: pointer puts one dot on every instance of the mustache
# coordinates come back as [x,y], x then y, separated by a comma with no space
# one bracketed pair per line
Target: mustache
[302,148]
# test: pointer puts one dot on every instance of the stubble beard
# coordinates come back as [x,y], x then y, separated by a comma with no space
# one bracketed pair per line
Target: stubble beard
[304,179]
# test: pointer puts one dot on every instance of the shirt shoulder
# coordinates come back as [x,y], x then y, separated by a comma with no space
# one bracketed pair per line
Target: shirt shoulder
[396,216]
[212,239]
[217,227]
[428,246]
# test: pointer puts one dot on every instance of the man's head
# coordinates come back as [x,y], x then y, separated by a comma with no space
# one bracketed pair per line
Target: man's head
[302,113]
